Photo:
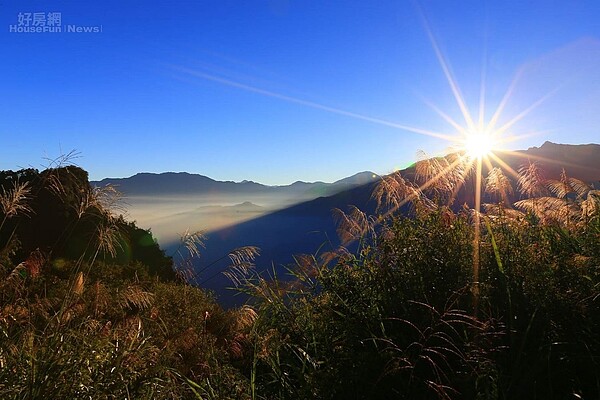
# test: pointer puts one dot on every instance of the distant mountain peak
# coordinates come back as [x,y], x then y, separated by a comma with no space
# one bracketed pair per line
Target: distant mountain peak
[359,178]
[548,145]
[247,204]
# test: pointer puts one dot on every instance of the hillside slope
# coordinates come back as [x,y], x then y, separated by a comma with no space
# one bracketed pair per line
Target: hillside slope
[309,227]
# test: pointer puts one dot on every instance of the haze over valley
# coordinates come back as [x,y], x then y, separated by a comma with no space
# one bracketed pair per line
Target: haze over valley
[172,203]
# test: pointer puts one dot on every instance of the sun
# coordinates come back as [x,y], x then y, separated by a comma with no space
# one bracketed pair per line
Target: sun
[478,144]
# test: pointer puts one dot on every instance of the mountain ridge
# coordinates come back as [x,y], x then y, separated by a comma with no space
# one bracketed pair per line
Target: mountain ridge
[308,226]
[174,183]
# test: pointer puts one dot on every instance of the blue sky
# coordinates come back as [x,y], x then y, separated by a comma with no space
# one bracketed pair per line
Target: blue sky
[277,91]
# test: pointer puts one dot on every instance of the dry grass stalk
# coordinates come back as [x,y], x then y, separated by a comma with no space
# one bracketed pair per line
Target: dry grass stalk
[14,282]
[531,180]
[243,255]
[192,242]
[564,186]
[242,263]
[431,170]
[354,225]
[236,345]
[245,317]
[109,198]
[307,265]
[341,254]
[393,191]
[549,209]
[75,310]
[35,262]
[63,159]
[134,297]
[54,184]
[78,284]
[106,200]
[108,237]
[14,201]
[498,185]
[102,298]
[591,205]
[441,175]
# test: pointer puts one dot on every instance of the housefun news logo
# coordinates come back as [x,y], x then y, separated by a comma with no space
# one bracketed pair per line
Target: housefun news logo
[48,22]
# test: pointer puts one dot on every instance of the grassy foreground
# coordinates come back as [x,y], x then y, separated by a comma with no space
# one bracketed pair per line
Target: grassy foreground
[441,304]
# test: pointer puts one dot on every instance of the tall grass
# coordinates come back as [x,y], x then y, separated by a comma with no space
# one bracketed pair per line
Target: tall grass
[387,314]
[395,318]
[85,325]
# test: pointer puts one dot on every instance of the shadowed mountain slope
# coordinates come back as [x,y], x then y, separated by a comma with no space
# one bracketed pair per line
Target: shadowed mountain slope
[309,227]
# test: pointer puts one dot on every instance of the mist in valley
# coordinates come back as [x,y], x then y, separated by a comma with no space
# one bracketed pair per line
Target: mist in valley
[170,216]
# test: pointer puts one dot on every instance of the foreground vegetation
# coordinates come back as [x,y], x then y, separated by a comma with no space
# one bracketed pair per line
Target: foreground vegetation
[445,303]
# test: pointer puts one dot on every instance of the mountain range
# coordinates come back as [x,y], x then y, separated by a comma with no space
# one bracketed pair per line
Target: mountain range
[183,183]
[308,226]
